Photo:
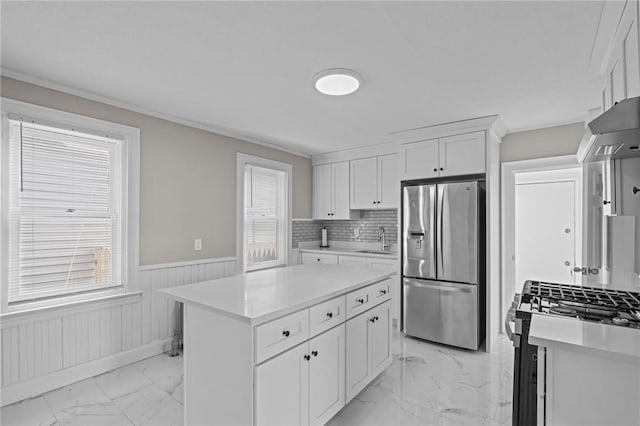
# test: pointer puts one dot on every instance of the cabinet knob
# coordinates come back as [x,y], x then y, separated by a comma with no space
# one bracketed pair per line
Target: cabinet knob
[376,317]
[314,353]
[441,168]
[435,170]
[360,300]
[330,314]
[318,260]
[605,202]
[383,291]
[372,319]
[374,202]
[307,357]
[286,333]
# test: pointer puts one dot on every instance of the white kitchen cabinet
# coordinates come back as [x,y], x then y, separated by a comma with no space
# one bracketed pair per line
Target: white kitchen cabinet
[456,155]
[462,154]
[374,183]
[282,389]
[331,192]
[330,259]
[353,261]
[622,67]
[305,385]
[368,337]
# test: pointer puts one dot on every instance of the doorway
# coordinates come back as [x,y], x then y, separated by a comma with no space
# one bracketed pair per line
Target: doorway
[541,223]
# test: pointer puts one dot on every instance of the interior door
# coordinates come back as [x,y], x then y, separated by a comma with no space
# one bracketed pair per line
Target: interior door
[545,231]
[326,375]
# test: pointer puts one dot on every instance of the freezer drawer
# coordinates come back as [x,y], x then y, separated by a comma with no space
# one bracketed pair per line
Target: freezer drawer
[442,312]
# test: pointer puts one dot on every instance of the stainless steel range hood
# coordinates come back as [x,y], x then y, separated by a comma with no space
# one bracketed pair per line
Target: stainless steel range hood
[614,134]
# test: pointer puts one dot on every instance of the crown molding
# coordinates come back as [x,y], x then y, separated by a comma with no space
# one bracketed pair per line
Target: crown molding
[491,122]
[212,128]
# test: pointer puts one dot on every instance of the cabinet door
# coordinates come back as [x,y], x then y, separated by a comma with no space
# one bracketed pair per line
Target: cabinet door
[322,191]
[364,182]
[340,186]
[353,261]
[357,360]
[380,338]
[388,182]
[419,160]
[326,375]
[462,154]
[282,389]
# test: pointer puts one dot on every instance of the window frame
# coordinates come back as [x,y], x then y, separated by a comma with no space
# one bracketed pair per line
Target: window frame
[130,194]
[243,160]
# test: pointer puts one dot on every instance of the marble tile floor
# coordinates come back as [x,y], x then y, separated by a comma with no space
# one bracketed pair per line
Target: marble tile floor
[427,384]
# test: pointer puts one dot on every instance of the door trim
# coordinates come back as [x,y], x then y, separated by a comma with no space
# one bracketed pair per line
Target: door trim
[508,188]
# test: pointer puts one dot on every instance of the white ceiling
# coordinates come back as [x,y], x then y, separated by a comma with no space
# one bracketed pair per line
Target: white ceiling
[247,67]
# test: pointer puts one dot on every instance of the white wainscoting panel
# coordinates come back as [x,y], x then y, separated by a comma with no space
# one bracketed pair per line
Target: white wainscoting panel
[50,348]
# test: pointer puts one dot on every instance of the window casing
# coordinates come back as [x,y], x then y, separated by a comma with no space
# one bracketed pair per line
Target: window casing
[69,207]
[264,203]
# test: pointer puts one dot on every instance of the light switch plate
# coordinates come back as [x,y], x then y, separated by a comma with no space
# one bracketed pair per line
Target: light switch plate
[197,244]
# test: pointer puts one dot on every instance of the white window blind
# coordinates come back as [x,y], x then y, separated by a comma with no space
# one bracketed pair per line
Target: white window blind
[65,214]
[264,217]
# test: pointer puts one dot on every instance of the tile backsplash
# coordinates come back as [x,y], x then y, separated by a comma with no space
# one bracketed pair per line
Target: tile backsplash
[364,229]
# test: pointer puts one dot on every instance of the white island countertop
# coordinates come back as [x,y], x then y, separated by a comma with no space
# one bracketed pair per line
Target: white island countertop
[261,296]
[548,330]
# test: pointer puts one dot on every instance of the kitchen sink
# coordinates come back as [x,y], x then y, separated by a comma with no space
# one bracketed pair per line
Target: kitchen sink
[375,251]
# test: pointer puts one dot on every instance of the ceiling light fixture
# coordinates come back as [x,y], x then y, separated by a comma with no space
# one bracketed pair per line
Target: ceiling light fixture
[337,81]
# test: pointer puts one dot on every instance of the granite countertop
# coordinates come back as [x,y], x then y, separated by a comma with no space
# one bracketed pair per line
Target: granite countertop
[549,331]
[350,251]
[258,297]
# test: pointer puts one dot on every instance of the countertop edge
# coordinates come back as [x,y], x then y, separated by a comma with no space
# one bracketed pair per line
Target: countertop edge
[348,253]
[281,312]
[538,336]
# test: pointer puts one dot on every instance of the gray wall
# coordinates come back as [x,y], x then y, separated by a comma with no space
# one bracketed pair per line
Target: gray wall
[540,143]
[187,177]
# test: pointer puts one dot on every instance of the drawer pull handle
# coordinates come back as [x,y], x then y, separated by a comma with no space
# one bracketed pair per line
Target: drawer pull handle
[307,357]
[383,291]
[361,300]
[314,353]
[372,319]
[330,314]
[286,333]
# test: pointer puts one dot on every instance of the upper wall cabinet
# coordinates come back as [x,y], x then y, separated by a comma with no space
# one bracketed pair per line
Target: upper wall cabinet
[622,67]
[447,156]
[331,192]
[374,183]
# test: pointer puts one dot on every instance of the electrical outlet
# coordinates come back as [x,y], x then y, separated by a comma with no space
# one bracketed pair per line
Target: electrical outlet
[197,244]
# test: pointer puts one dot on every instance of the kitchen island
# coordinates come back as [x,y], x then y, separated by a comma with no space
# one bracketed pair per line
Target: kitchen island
[283,346]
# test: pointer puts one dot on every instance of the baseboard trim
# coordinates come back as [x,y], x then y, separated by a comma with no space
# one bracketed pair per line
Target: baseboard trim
[67,376]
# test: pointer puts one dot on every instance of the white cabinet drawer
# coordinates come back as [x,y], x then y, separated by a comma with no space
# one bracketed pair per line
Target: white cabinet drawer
[319,258]
[283,333]
[358,301]
[326,315]
[376,263]
[353,261]
[380,292]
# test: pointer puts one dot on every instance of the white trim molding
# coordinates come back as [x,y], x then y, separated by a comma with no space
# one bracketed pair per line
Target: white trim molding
[241,161]
[493,122]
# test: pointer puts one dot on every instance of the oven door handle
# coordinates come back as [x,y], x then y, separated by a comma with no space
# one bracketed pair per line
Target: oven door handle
[508,320]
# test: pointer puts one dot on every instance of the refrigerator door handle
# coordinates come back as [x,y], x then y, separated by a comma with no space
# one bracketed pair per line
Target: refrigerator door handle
[439,230]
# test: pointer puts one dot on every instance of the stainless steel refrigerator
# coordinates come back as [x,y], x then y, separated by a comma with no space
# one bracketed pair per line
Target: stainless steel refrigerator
[443,262]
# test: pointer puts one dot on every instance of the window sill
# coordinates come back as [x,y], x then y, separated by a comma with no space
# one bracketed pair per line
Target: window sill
[68,307]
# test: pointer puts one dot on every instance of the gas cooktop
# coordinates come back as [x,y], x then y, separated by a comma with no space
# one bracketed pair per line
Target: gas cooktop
[607,306]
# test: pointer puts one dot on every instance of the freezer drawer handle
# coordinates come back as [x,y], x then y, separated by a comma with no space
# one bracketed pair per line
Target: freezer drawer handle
[443,288]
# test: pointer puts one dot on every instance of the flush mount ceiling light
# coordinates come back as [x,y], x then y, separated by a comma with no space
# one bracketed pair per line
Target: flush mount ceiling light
[337,81]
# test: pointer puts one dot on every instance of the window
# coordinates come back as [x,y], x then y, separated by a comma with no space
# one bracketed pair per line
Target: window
[65,209]
[265,213]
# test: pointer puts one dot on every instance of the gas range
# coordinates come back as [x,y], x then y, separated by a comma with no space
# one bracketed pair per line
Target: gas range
[606,306]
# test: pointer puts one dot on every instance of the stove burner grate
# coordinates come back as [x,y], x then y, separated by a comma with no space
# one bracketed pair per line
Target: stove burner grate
[619,299]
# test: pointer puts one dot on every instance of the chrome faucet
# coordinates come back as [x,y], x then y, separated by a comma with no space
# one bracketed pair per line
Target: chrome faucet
[381,238]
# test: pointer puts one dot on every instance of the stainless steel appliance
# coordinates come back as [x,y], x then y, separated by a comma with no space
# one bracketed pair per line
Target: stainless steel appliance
[443,262]
[606,306]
